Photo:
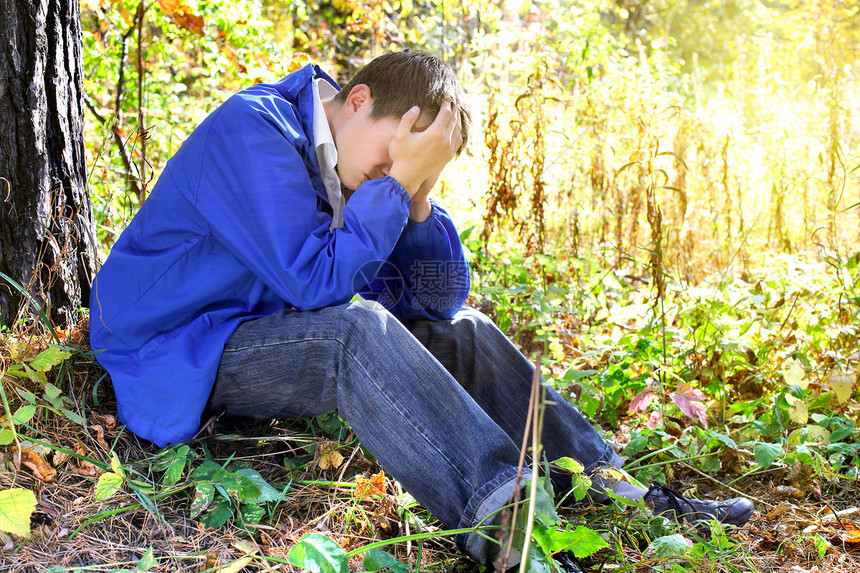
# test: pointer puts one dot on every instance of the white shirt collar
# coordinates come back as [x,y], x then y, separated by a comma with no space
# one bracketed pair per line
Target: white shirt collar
[326,151]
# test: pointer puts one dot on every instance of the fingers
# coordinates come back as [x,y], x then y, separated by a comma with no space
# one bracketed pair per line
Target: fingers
[453,125]
[457,133]
[407,122]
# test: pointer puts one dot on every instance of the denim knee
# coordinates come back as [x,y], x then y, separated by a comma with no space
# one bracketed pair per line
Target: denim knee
[473,319]
[358,320]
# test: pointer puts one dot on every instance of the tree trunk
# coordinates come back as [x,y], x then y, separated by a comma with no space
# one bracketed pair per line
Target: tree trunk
[47,238]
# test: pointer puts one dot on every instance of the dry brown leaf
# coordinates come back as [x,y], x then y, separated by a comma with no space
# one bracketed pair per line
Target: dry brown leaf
[100,436]
[92,5]
[850,533]
[245,546]
[85,468]
[235,566]
[182,15]
[777,511]
[40,467]
[298,61]
[108,421]
[234,59]
[20,351]
[787,491]
[331,460]
[211,559]
[91,471]
[59,458]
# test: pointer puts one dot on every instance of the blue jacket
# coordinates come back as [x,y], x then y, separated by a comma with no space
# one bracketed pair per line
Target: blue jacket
[236,228]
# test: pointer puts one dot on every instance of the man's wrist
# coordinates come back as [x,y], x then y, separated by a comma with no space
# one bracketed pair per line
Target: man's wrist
[405,182]
[420,210]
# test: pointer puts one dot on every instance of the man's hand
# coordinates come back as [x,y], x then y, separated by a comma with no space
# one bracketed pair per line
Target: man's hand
[418,157]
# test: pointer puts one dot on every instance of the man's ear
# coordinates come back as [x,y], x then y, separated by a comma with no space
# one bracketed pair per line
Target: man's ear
[357,97]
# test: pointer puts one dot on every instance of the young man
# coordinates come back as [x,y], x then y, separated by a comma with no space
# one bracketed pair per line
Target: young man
[229,293]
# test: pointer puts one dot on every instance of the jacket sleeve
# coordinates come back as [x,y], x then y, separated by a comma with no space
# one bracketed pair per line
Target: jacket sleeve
[248,180]
[426,276]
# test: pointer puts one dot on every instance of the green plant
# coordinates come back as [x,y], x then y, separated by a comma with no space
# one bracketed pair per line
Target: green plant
[221,494]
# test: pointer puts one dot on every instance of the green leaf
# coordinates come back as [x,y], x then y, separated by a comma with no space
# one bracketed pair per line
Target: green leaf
[24,414]
[267,492]
[793,374]
[174,471]
[842,385]
[724,439]
[16,507]
[570,465]
[116,465]
[236,484]
[251,513]
[582,541]
[376,559]
[331,422]
[73,416]
[48,359]
[537,562]
[140,486]
[28,396]
[669,545]
[798,411]
[572,375]
[815,433]
[51,391]
[203,495]
[580,486]
[766,454]
[466,233]
[147,561]
[840,434]
[821,545]
[35,375]
[821,401]
[544,506]
[108,484]
[17,370]
[589,404]
[319,554]
[804,454]
[6,437]
[205,471]
[218,515]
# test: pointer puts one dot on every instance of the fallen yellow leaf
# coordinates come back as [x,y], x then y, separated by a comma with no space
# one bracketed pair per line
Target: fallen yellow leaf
[366,487]
[328,455]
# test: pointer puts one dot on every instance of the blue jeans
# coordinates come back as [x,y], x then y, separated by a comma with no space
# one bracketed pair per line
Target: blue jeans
[441,405]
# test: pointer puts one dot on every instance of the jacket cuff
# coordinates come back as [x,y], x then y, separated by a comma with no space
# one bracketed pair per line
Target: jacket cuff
[427,223]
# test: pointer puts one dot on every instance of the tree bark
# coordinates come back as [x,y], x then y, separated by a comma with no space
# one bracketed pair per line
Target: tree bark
[47,232]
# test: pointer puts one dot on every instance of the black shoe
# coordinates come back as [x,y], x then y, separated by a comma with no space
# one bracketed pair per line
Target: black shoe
[566,562]
[672,504]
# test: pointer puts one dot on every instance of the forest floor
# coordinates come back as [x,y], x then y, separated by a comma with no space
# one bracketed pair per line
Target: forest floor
[806,521]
